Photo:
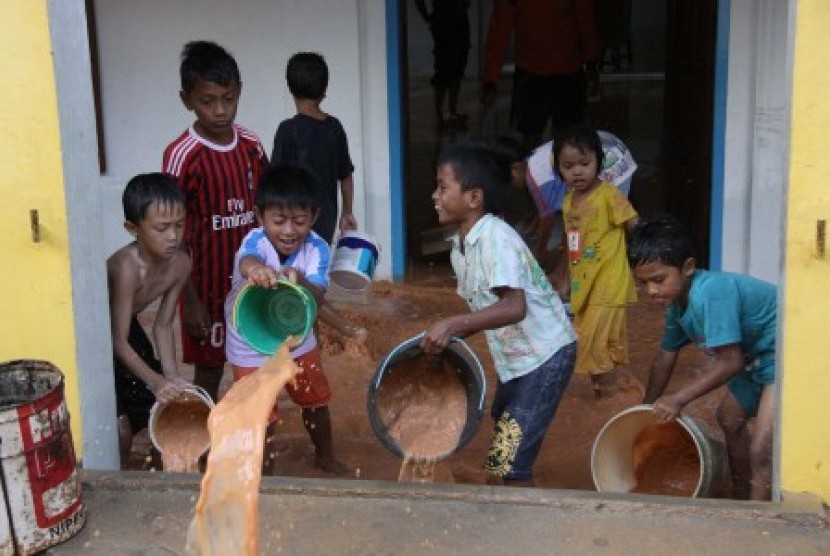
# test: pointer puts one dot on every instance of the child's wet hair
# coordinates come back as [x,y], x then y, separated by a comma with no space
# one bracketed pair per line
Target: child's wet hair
[663,240]
[580,136]
[145,190]
[479,165]
[307,75]
[287,186]
[209,62]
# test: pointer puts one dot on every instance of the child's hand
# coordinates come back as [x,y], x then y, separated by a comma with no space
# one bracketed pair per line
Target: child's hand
[437,337]
[196,319]
[667,408]
[166,390]
[263,275]
[347,222]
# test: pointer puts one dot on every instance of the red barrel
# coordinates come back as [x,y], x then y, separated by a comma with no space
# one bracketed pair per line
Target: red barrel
[41,487]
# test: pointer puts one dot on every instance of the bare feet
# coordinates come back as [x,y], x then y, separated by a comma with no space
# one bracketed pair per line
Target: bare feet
[332,465]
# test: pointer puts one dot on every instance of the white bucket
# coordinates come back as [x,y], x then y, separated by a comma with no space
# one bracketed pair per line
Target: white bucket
[354,261]
[614,457]
[191,394]
[40,487]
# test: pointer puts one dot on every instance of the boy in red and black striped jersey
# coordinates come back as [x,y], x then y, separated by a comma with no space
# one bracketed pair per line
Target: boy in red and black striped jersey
[217,163]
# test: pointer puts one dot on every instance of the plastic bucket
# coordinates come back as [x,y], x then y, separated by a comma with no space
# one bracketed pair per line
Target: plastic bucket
[625,442]
[471,375]
[189,411]
[354,261]
[40,482]
[266,317]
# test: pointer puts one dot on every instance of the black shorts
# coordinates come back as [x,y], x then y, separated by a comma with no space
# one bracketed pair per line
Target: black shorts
[538,98]
[132,397]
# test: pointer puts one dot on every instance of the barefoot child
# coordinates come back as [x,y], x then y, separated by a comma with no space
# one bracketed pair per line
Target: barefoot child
[151,267]
[596,218]
[733,318]
[285,246]
[528,332]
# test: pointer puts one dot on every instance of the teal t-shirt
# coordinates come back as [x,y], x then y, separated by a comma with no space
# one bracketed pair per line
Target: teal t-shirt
[726,308]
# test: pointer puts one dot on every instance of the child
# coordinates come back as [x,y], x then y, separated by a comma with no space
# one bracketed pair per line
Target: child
[528,332]
[151,267]
[733,318]
[285,245]
[596,217]
[317,141]
[217,164]
[535,174]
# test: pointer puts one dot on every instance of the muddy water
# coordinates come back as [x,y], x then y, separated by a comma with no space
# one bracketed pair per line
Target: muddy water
[666,461]
[423,405]
[182,435]
[226,520]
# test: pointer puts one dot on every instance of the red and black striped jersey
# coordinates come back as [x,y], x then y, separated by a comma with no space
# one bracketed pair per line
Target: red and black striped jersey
[219,182]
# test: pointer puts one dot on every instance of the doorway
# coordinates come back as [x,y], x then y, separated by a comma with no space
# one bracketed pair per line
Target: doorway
[656,95]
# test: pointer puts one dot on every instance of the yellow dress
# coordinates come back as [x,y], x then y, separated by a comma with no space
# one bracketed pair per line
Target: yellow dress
[601,280]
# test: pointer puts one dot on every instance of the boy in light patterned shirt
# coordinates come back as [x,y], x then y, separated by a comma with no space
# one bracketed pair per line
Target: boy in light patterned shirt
[528,332]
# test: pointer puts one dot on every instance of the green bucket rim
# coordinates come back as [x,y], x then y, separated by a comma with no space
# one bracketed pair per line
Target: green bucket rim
[305,296]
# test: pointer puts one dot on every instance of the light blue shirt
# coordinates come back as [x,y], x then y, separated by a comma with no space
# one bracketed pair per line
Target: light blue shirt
[495,256]
[312,258]
[724,309]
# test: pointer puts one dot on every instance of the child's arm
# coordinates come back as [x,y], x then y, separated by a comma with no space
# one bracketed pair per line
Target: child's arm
[509,309]
[347,219]
[658,377]
[724,363]
[195,315]
[163,325]
[123,281]
[342,325]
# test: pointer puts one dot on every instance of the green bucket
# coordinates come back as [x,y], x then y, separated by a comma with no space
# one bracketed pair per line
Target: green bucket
[266,317]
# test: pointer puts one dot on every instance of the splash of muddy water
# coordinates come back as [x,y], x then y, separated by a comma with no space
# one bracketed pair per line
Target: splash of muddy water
[424,408]
[226,520]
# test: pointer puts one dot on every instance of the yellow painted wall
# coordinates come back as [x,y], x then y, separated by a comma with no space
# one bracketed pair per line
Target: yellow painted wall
[805,442]
[36,295]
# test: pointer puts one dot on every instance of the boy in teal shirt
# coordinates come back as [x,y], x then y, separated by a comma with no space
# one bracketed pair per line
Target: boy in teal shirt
[733,318]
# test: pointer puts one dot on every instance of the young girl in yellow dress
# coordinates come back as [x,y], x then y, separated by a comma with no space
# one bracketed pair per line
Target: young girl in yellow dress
[595,273]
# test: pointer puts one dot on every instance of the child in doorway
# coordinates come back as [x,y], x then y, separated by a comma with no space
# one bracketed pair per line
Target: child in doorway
[528,332]
[595,274]
[217,164]
[535,173]
[733,318]
[284,245]
[317,140]
[151,267]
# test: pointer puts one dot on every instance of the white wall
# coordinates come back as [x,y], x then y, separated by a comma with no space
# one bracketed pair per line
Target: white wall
[757,138]
[139,45]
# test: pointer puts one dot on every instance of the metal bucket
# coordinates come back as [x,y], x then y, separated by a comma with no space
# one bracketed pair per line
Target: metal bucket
[470,372]
[192,395]
[614,458]
[40,482]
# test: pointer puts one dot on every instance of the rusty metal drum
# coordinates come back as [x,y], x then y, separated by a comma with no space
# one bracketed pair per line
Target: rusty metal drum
[40,482]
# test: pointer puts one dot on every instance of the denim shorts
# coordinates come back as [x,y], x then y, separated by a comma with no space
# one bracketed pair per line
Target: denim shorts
[523,409]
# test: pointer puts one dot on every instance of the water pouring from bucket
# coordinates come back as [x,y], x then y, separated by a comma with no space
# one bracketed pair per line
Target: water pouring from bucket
[179,430]
[266,317]
[425,408]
